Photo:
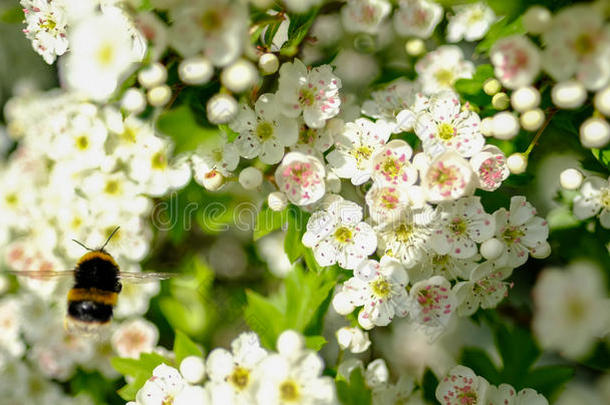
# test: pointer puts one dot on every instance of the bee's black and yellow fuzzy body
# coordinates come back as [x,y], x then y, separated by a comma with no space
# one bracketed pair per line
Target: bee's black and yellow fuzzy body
[96,287]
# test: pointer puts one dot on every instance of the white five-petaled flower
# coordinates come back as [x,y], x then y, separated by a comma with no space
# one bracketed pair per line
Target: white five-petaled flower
[135,337]
[301,178]
[380,287]
[442,126]
[364,15]
[315,93]
[578,43]
[386,202]
[315,141]
[232,374]
[338,235]
[439,69]
[490,167]
[470,22]
[571,308]
[520,230]
[431,304]
[47,27]
[461,386]
[417,18]
[486,288]
[162,387]
[391,164]
[264,131]
[516,61]
[594,197]
[407,236]
[462,224]
[355,147]
[395,97]
[448,177]
[222,158]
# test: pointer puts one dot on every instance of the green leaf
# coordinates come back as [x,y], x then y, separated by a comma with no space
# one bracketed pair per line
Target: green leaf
[264,318]
[179,124]
[297,31]
[184,347]
[354,392]
[500,29]
[268,220]
[315,342]
[603,156]
[429,384]
[12,15]
[140,369]
[548,380]
[475,84]
[478,360]
[297,220]
[518,351]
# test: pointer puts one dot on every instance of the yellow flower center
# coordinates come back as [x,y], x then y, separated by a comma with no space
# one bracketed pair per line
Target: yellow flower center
[306,97]
[445,131]
[343,234]
[380,287]
[445,77]
[240,378]
[584,44]
[49,24]
[105,54]
[159,161]
[364,152]
[512,234]
[129,135]
[403,232]
[82,142]
[475,16]
[112,187]
[11,199]
[264,130]
[458,226]
[605,198]
[289,391]
[211,20]
[391,167]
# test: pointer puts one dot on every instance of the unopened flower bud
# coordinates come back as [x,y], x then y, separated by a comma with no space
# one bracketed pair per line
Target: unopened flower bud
[192,369]
[491,249]
[602,101]
[290,343]
[353,339]
[415,47]
[342,304]
[536,19]
[486,127]
[570,179]
[594,133]
[159,96]
[517,163]
[133,100]
[500,101]
[250,178]
[569,94]
[153,75]
[492,86]
[195,70]
[505,126]
[277,201]
[525,98]
[213,180]
[239,76]
[532,120]
[221,108]
[268,63]
[541,251]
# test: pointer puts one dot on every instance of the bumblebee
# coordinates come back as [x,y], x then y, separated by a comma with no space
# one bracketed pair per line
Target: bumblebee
[97,284]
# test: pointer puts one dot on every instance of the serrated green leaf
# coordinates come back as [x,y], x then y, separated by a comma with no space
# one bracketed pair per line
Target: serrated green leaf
[297,220]
[478,360]
[268,220]
[548,380]
[264,318]
[354,392]
[518,351]
[603,156]
[185,347]
[180,124]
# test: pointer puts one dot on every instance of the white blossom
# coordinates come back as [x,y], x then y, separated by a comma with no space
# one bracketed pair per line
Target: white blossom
[594,199]
[486,288]
[470,22]
[439,69]
[431,304]
[516,61]
[462,386]
[448,177]
[301,178]
[364,15]
[417,18]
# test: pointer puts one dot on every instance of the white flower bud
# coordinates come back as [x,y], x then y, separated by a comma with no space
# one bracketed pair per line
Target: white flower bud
[570,179]
[192,369]
[602,101]
[500,101]
[353,339]
[415,47]
[133,100]
[365,321]
[290,343]
[517,163]
[342,305]
[532,120]
[569,94]
[268,63]
[213,180]
[239,76]
[594,133]
[221,108]
[486,127]
[536,19]
[277,201]
[525,98]
[195,70]
[541,251]
[492,86]
[491,249]
[250,178]
[505,126]
[153,75]
[159,96]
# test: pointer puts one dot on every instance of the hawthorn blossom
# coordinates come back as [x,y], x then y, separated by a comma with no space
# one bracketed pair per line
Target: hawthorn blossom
[448,177]
[380,288]
[570,308]
[443,126]
[578,44]
[364,15]
[594,199]
[301,178]
[439,69]
[470,22]
[462,386]
[47,27]
[315,93]
[505,394]
[520,230]
[391,164]
[315,141]
[462,224]
[222,158]
[407,236]
[338,235]
[386,202]
[444,265]
[166,385]
[516,61]
[399,95]
[417,18]
[135,337]
[352,157]
[490,167]
[353,339]
[431,304]
[486,288]
[264,131]
[232,373]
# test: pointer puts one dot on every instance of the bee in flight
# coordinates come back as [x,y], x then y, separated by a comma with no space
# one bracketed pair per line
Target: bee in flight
[97,284]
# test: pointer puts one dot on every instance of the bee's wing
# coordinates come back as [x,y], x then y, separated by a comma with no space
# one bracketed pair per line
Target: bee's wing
[41,274]
[144,277]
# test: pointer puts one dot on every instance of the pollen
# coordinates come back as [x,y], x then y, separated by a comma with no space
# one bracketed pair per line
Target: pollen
[105,54]
[445,131]
[289,391]
[381,288]
[343,235]
[264,130]
[240,378]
